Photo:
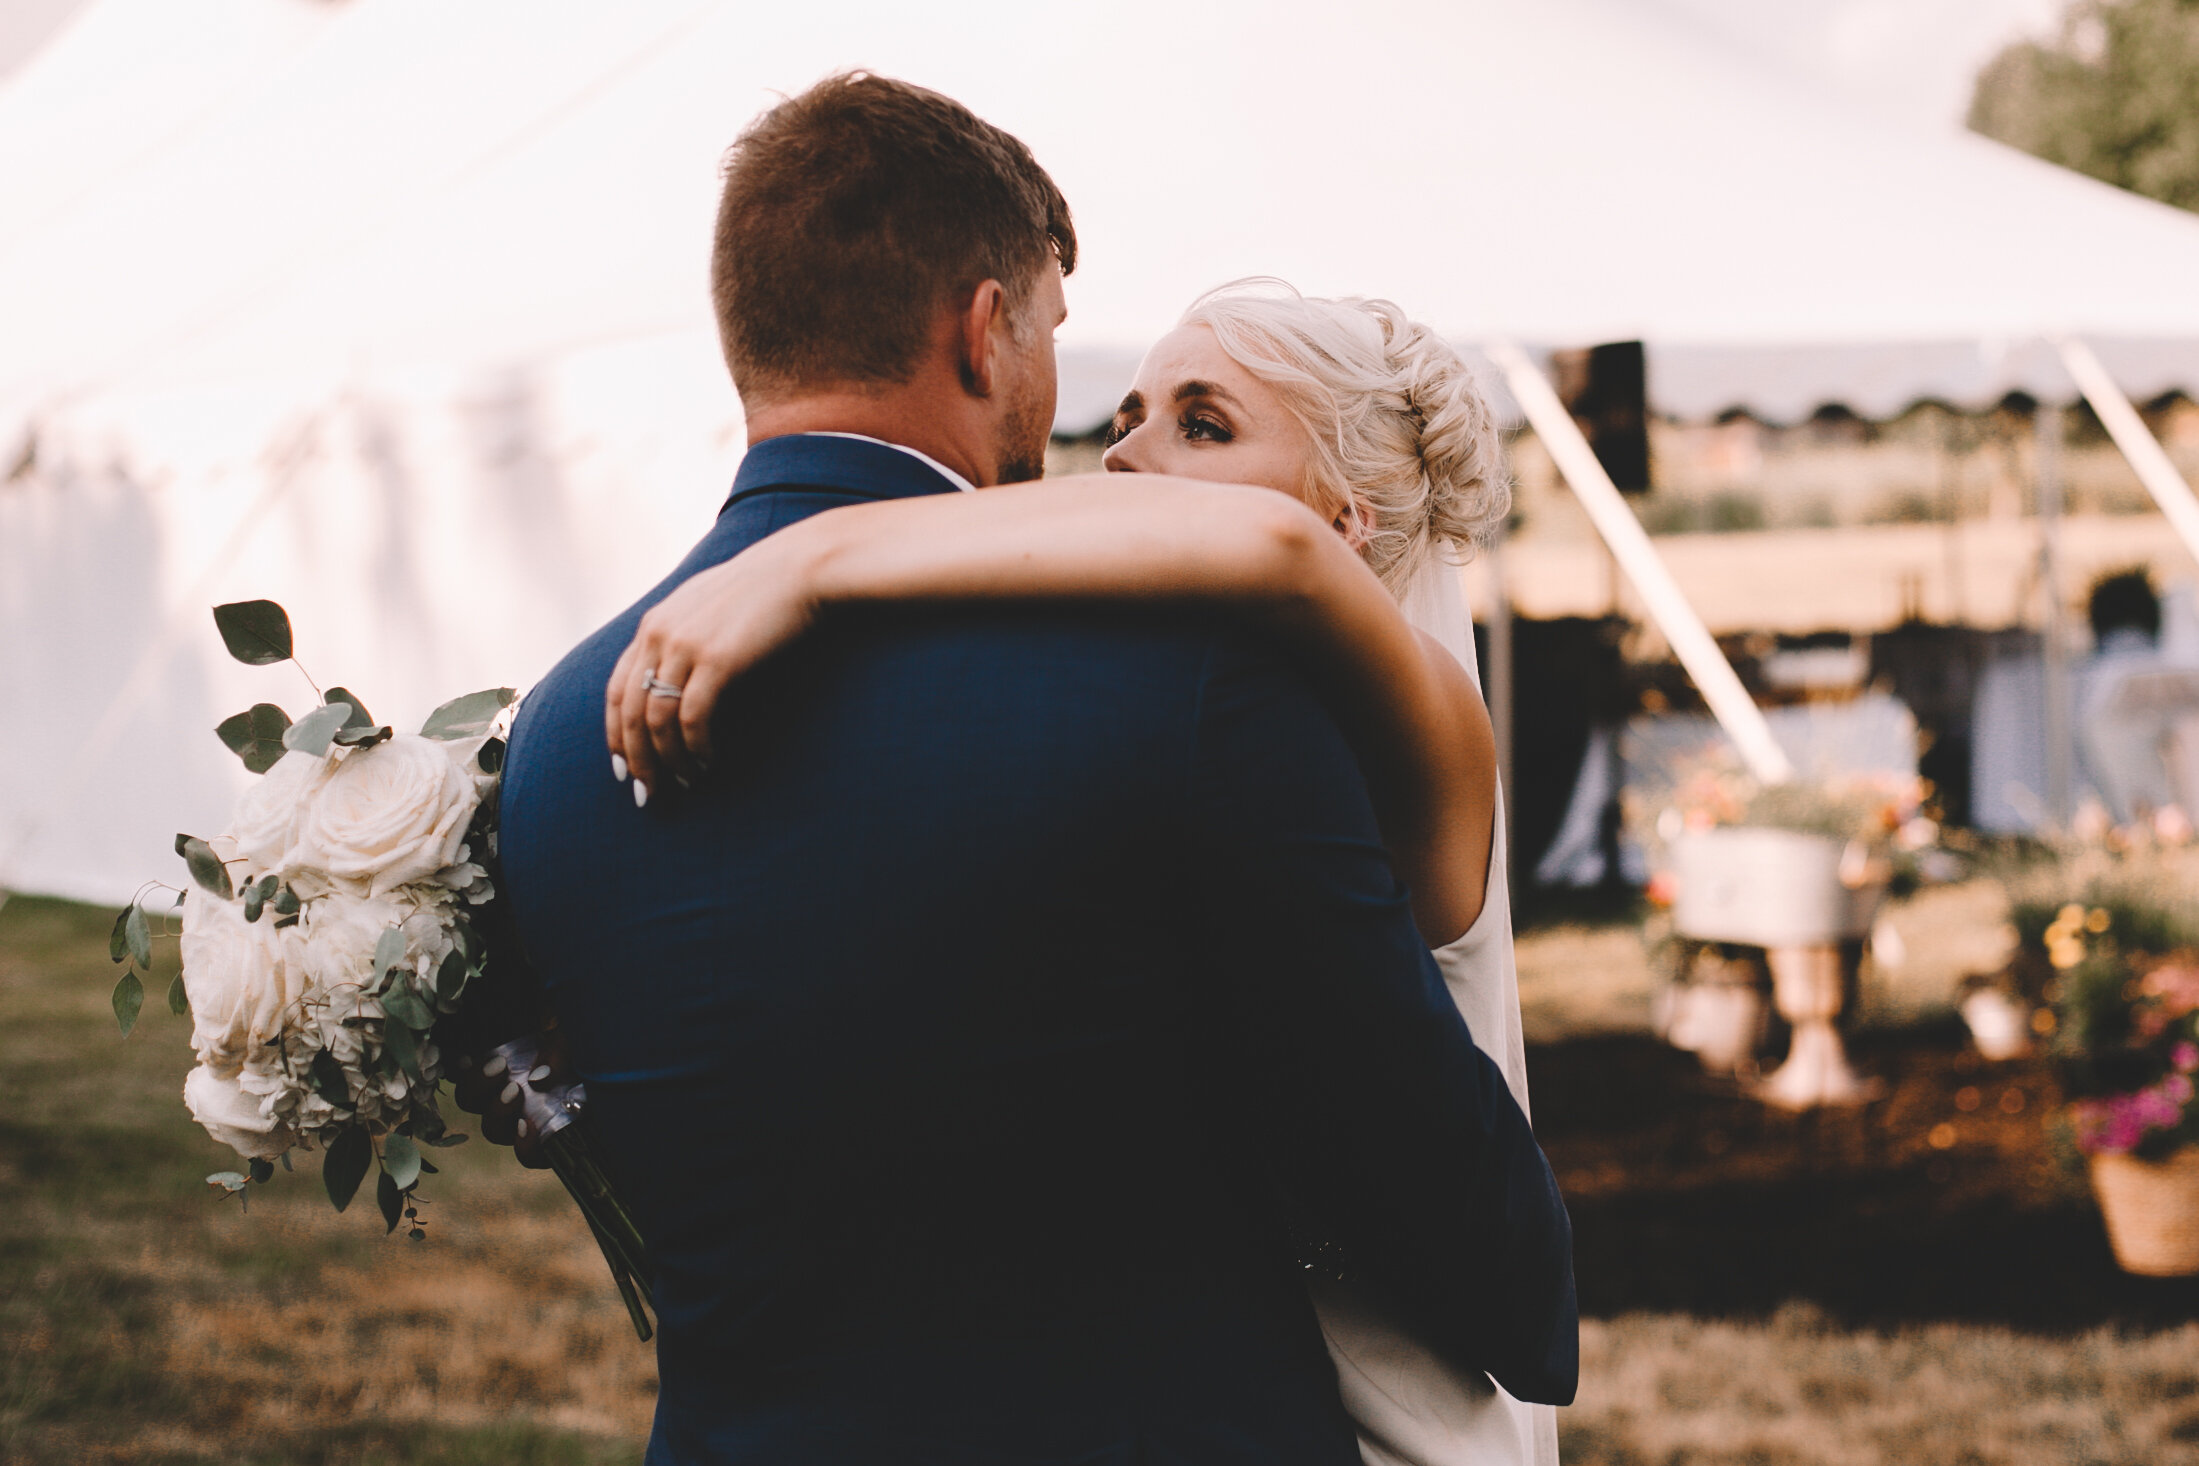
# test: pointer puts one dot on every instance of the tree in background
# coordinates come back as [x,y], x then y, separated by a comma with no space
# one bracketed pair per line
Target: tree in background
[2115,95]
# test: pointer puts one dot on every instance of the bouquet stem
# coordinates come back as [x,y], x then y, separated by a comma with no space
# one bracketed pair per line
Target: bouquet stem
[574,1160]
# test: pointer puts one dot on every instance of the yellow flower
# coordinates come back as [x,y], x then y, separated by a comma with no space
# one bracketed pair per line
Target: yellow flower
[2066,953]
[2097,921]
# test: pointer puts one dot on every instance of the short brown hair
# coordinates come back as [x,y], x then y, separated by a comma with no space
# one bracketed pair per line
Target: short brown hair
[852,213]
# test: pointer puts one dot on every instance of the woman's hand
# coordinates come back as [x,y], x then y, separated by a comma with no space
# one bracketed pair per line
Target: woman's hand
[718,624]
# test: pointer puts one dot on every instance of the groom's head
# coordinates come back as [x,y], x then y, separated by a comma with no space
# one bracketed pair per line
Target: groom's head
[881,248]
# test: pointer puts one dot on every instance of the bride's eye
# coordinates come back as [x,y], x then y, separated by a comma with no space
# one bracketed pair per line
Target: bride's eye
[1205,429]
[1117,430]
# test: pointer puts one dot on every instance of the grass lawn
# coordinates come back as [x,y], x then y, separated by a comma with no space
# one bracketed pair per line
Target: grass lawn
[1761,1289]
[144,1320]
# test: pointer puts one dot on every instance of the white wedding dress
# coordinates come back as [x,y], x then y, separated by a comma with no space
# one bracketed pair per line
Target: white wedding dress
[1410,1407]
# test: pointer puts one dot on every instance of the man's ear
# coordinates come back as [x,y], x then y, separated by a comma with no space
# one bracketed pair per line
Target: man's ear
[984,321]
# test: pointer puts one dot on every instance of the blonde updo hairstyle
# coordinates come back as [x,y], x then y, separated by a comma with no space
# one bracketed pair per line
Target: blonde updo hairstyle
[1403,439]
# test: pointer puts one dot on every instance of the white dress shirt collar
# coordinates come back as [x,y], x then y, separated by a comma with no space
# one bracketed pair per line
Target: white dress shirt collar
[925,458]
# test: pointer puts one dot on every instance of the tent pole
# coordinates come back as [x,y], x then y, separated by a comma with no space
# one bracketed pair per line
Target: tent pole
[2137,443]
[1691,641]
[2061,753]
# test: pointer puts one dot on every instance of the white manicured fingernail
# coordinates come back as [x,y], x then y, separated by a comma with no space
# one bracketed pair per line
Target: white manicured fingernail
[538,1073]
[641,794]
[494,1067]
[522,1127]
[618,767]
[510,1093]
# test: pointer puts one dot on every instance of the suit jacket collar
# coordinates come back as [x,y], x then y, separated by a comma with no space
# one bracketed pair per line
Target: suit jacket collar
[857,466]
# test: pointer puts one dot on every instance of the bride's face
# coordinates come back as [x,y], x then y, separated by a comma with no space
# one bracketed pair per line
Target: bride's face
[1194,412]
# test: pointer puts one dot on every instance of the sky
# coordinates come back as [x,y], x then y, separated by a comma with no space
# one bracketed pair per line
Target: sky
[1911,57]
[1914,58]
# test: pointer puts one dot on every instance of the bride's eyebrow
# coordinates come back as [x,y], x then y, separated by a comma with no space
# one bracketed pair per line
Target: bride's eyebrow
[1132,401]
[1188,390]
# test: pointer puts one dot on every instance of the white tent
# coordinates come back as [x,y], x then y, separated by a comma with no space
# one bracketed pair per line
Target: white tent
[395,311]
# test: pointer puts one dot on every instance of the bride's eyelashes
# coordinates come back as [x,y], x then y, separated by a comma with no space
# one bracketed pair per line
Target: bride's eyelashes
[1202,428]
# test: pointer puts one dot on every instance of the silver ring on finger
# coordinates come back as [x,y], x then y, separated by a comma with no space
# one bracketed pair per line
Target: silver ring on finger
[657,686]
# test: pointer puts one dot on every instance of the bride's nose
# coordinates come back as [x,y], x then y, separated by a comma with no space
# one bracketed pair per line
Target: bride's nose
[1123,455]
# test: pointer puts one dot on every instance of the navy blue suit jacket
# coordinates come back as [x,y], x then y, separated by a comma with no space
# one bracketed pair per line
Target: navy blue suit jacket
[965,1039]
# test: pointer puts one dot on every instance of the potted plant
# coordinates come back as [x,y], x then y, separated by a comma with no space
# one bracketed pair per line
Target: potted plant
[2125,1036]
[1798,869]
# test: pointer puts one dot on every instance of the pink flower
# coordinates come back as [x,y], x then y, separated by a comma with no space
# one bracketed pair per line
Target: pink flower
[2185,1056]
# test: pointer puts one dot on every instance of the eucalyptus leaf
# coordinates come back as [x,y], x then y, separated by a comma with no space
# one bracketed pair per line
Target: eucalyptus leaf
[451,979]
[399,1044]
[390,1199]
[286,901]
[207,869]
[468,716]
[118,940]
[129,997]
[447,1140]
[257,633]
[404,1005]
[490,759]
[310,734]
[256,735]
[181,841]
[389,950]
[345,1165]
[365,737]
[401,1159]
[137,933]
[427,1167]
[328,1081]
[360,717]
[256,895]
[290,920]
[179,1001]
[262,1170]
[227,1180]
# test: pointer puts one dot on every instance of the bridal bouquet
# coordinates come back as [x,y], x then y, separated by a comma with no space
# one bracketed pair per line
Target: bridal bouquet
[330,938]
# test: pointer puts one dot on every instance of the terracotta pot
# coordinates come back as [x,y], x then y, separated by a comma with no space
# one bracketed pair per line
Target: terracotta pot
[2152,1211]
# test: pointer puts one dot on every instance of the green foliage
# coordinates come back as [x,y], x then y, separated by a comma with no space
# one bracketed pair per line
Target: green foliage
[399,1040]
[138,936]
[256,735]
[401,1159]
[206,868]
[257,633]
[328,1080]
[468,716]
[129,998]
[345,1165]
[179,1001]
[311,733]
[2115,95]
[360,717]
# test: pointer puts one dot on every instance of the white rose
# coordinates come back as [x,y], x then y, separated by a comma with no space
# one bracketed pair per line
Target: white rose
[341,932]
[243,980]
[387,816]
[234,1115]
[264,825]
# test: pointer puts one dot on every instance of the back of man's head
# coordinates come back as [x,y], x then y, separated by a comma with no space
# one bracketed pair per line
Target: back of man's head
[852,215]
